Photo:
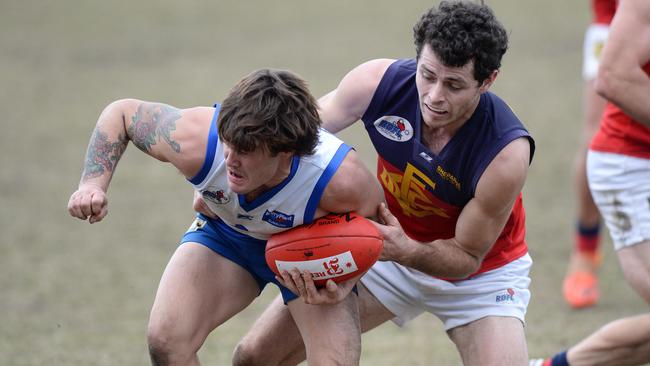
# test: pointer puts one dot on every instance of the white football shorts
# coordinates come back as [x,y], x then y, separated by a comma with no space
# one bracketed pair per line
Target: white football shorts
[620,185]
[595,38]
[408,293]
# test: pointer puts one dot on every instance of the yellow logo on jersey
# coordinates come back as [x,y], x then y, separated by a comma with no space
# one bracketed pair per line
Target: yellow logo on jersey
[409,190]
[448,177]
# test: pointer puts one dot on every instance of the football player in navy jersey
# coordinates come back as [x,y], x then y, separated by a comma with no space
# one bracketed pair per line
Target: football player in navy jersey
[452,161]
[263,165]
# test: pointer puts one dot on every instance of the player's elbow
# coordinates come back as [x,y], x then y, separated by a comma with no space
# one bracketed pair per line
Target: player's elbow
[123,105]
[607,82]
[468,263]
[470,267]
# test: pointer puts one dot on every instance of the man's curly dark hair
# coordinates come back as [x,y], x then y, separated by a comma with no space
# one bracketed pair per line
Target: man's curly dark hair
[463,31]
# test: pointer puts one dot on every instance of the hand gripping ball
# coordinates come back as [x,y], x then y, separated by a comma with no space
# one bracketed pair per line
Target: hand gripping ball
[335,246]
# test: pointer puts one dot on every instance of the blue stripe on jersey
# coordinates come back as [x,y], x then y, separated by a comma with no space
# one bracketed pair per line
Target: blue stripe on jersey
[262,198]
[213,140]
[325,178]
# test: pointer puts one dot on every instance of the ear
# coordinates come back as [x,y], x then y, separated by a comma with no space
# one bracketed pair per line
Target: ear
[487,83]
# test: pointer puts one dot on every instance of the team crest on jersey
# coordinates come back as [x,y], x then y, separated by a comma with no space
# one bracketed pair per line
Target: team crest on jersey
[219,196]
[394,127]
[279,219]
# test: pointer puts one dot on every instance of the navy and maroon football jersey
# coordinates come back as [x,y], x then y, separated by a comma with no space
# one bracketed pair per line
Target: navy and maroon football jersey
[428,191]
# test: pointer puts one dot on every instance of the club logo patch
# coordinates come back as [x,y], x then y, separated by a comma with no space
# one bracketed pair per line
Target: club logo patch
[219,196]
[278,219]
[395,128]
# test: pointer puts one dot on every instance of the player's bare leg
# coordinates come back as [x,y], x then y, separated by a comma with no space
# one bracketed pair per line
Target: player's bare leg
[580,286]
[621,342]
[192,300]
[274,339]
[635,263]
[624,341]
[262,345]
[331,333]
[491,341]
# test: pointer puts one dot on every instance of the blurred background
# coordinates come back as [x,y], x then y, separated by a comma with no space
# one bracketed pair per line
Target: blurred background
[78,294]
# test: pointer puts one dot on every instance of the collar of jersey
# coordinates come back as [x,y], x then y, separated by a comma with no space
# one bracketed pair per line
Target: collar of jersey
[264,197]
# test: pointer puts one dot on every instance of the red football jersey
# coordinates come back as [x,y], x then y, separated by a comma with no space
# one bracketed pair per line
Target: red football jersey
[620,134]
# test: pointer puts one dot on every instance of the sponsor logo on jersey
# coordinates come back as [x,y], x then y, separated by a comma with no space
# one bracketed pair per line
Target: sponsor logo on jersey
[395,128]
[324,268]
[505,297]
[279,219]
[448,177]
[219,196]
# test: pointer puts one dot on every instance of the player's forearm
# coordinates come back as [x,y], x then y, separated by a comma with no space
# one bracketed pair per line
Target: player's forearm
[628,91]
[440,258]
[107,144]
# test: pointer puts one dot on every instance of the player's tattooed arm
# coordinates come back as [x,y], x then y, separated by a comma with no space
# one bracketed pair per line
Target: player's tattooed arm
[103,154]
[153,122]
[144,123]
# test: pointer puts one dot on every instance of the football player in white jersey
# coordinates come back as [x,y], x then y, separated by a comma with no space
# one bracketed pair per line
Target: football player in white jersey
[262,165]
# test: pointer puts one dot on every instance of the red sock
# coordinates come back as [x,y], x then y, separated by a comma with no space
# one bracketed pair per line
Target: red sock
[587,238]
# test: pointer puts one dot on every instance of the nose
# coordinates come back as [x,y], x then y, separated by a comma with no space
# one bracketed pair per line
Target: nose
[436,92]
[230,156]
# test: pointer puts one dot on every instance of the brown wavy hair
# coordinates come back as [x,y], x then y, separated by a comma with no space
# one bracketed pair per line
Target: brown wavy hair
[272,110]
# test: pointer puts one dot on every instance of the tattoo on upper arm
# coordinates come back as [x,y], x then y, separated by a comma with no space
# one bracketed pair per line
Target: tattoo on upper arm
[102,155]
[151,122]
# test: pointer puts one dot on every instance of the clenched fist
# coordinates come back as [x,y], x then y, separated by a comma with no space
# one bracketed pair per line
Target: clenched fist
[88,202]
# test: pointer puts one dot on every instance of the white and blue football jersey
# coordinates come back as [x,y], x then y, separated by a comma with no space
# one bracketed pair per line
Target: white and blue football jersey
[291,203]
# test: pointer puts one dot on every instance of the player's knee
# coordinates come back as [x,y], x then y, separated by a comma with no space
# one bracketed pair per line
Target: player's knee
[246,354]
[168,347]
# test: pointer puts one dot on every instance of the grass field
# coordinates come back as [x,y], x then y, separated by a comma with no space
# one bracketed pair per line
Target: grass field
[79,294]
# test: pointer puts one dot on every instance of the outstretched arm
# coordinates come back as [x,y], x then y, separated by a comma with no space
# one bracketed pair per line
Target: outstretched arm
[621,78]
[164,132]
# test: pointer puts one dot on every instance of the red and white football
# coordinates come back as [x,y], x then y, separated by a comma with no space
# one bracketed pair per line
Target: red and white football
[335,246]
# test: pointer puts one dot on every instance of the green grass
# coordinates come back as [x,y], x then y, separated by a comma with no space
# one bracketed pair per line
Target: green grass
[79,294]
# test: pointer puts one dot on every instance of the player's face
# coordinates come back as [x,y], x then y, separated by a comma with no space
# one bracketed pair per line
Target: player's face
[448,95]
[254,172]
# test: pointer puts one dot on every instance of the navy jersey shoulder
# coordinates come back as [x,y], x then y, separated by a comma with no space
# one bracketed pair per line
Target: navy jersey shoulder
[393,122]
